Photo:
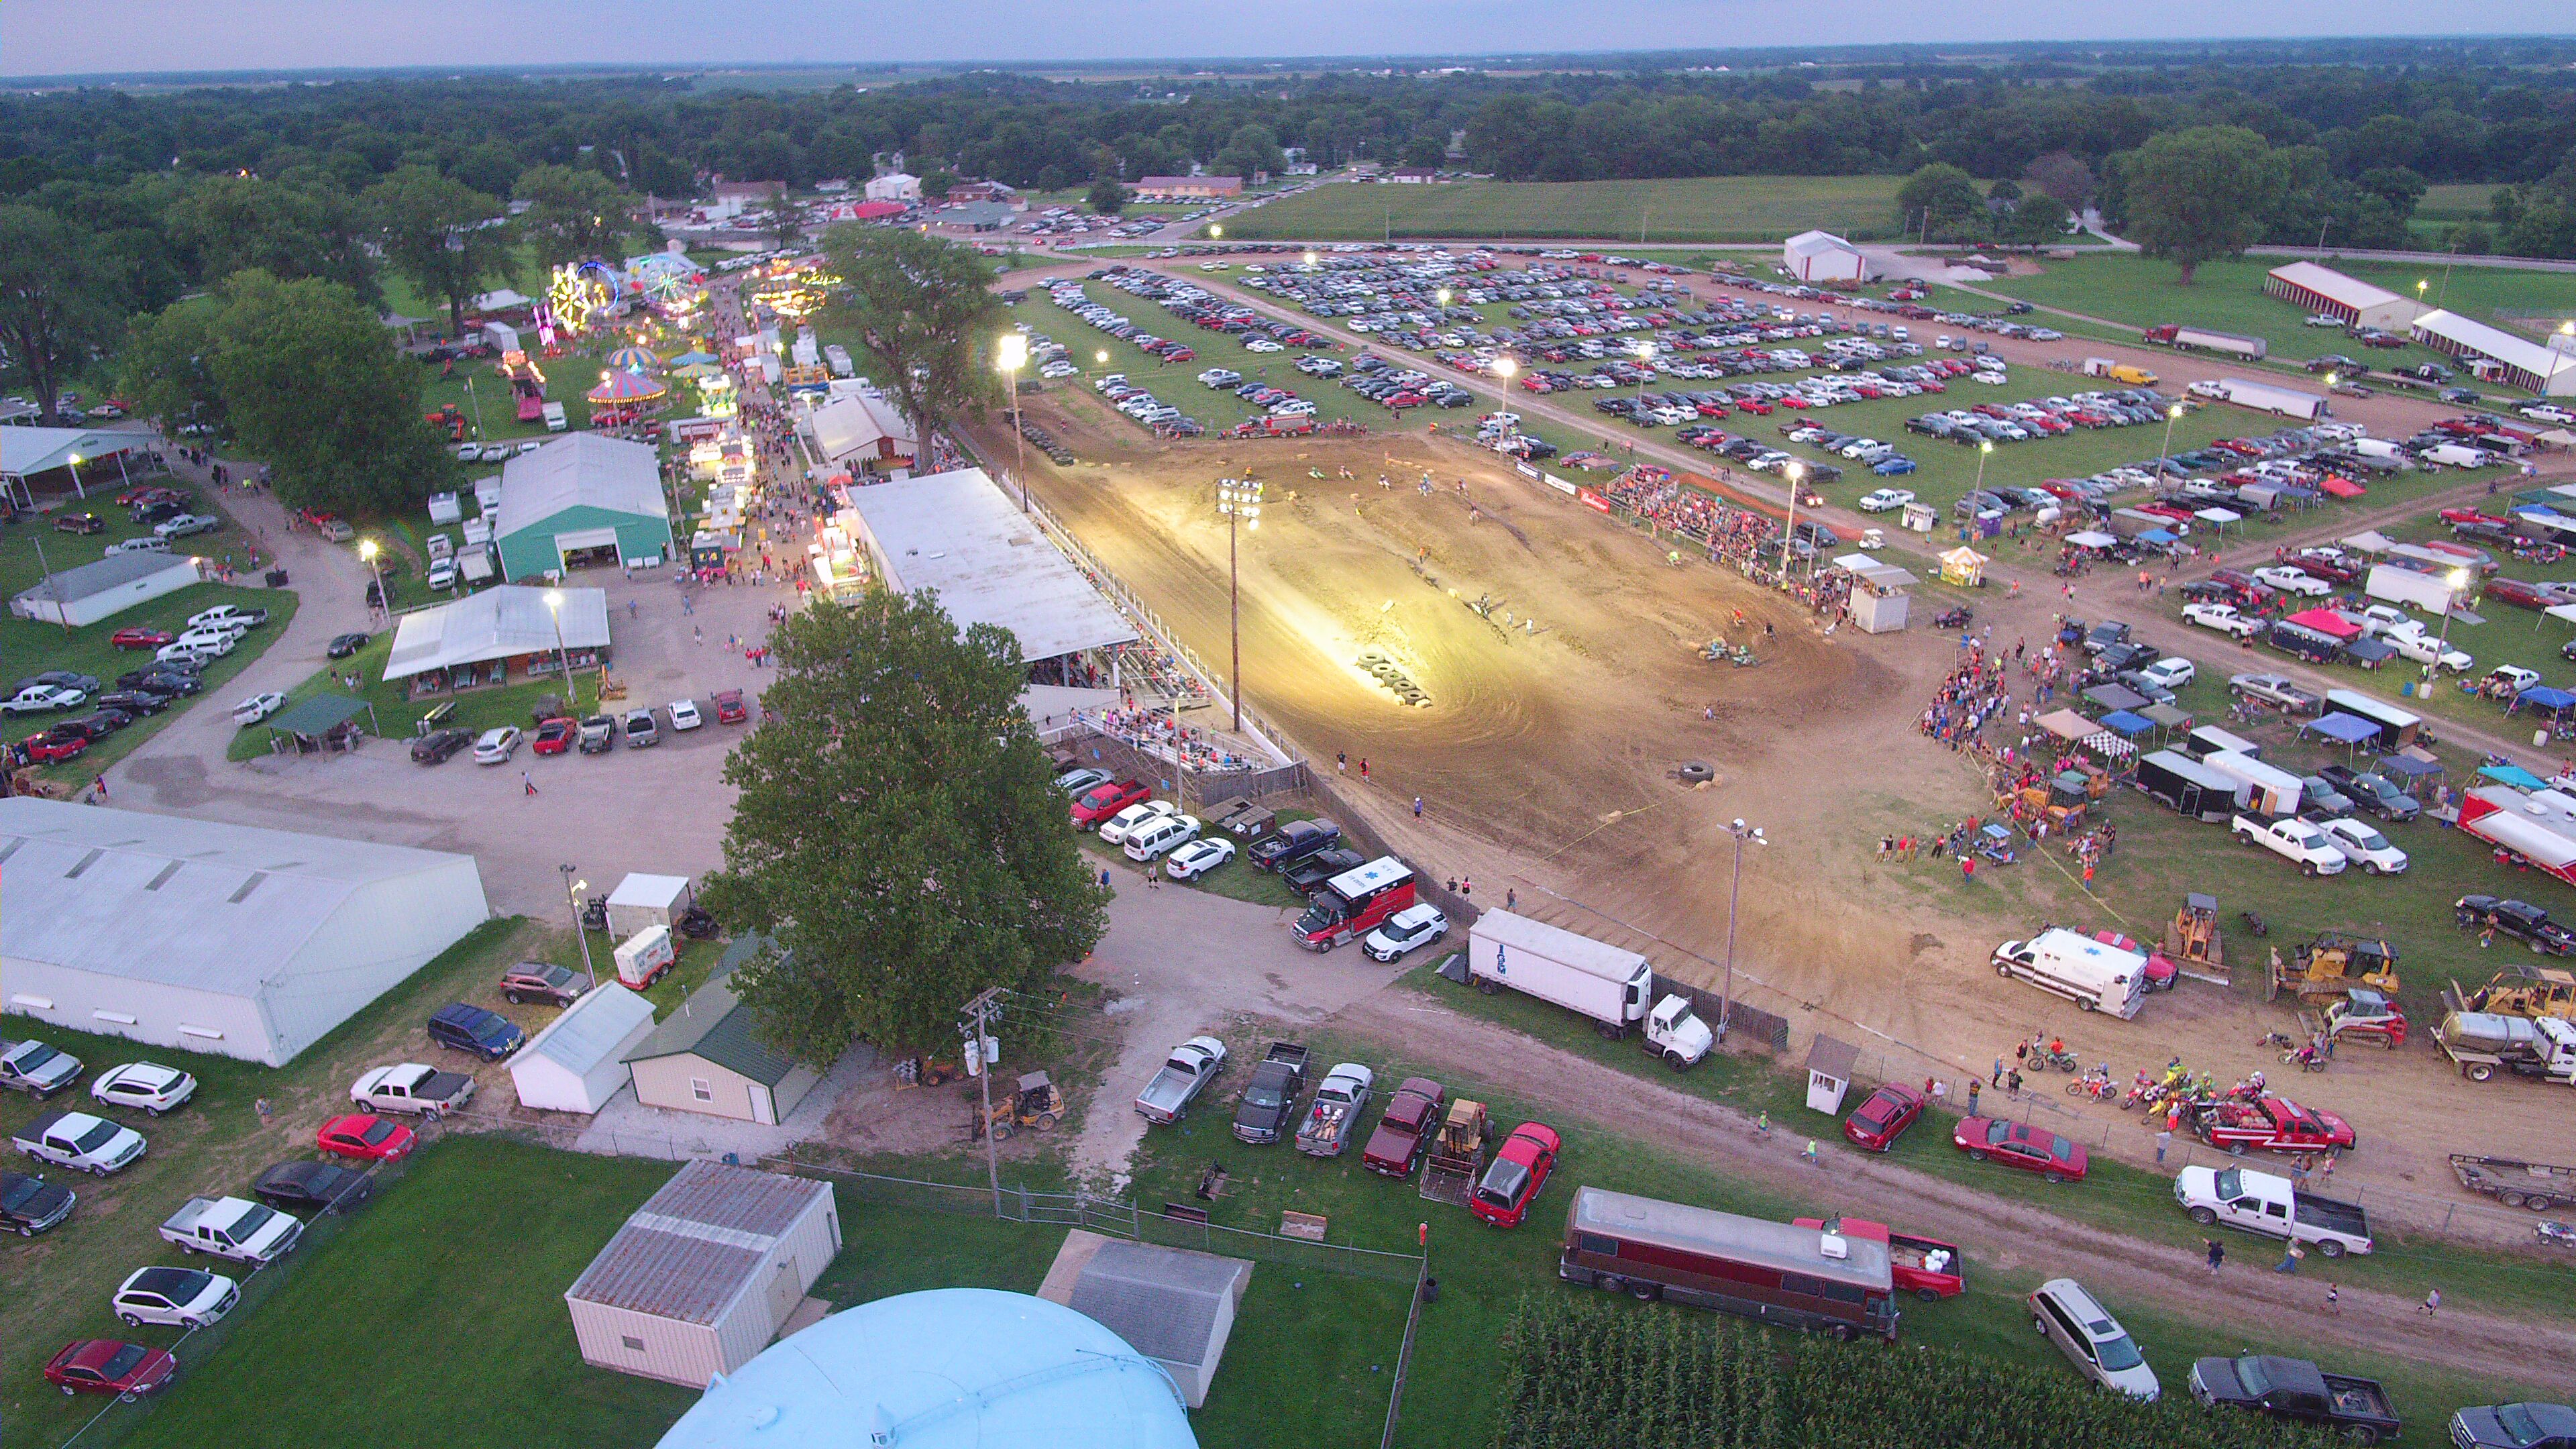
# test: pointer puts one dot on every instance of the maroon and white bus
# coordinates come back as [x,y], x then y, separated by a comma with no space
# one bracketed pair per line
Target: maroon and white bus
[1797,1277]
[1354,903]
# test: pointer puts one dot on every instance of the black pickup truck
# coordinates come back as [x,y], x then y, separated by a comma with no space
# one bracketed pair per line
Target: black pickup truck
[2295,1389]
[1270,1099]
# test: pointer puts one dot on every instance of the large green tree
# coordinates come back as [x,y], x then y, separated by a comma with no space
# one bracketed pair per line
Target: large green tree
[1106,196]
[227,224]
[898,836]
[925,305]
[573,213]
[441,235]
[2197,195]
[167,368]
[60,297]
[306,378]
[1942,203]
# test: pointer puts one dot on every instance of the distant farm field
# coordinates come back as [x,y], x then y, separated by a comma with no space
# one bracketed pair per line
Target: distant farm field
[2468,202]
[1688,209]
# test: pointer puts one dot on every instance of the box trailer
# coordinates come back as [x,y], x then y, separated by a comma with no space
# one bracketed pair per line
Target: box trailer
[2187,787]
[2234,344]
[1601,981]
[2262,789]
[2208,740]
[2399,584]
[2397,728]
[2264,397]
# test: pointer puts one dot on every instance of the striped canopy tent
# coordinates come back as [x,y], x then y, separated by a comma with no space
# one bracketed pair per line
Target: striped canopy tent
[619,387]
[635,360]
[695,358]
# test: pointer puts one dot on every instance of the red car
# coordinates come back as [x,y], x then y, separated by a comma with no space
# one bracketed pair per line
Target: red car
[729,707]
[366,1136]
[2471,515]
[2017,1144]
[105,1366]
[141,638]
[1518,1171]
[45,747]
[1925,1267]
[1884,1117]
[556,736]
[1103,801]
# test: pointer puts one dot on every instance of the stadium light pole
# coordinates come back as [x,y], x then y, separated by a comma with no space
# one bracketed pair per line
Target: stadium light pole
[1645,358]
[1011,354]
[563,657]
[2458,579]
[2164,451]
[369,549]
[1789,530]
[1506,368]
[572,895]
[1239,499]
[1742,833]
[1985,448]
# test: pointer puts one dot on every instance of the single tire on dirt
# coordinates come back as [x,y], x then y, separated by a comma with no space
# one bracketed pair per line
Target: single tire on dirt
[2476,1071]
[2509,1199]
[1001,1131]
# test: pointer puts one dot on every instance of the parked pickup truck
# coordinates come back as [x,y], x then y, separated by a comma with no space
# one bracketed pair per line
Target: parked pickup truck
[1411,1116]
[1193,1064]
[77,1139]
[2260,1202]
[2297,1390]
[33,1067]
[1925,1267]
[2293,839]
[232,1227]
[1339,1101]
[2274,1124]
[411,1087]
[1270,1098]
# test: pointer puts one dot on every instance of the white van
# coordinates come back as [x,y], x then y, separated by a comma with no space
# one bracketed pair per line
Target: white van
[2095,975]
[2457,455]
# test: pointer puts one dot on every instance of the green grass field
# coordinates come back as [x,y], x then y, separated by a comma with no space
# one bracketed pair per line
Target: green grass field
[28,647]
[2228,295]
[2470,202]
[1690,209]
[1177,382]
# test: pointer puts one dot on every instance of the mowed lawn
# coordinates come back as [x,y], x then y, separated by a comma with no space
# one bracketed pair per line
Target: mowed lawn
[28,647]
[2127,288]
[1686,209]
[1177,383]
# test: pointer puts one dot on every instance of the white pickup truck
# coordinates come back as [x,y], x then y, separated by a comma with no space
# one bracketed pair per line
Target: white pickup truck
[76,1139]
[235,1228]
[411,1087]
[2263,1202]
[2292,839]
[1192,1065]
[37,1069]
[1336,1110]
[2222,617]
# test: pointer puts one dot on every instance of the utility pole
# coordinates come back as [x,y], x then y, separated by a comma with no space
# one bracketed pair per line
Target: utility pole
[61,612]
[982,1006]
[1742,833]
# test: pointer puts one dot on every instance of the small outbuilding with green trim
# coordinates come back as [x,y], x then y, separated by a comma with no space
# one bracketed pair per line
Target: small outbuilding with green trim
[707,1057]
[581,501]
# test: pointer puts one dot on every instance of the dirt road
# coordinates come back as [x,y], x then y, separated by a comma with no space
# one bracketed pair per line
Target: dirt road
[2123,1269]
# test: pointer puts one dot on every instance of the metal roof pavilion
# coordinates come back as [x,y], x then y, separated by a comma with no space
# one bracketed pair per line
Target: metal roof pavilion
[990,563]
[498,623]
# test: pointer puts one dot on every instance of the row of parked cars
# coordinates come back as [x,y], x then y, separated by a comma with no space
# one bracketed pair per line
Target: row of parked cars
[562,734]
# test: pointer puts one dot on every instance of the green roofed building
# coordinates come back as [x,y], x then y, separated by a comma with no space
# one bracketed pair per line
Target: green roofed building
[579,501]
[706,1058]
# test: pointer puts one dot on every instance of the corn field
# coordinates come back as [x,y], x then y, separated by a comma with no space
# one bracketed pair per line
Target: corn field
[1581,1372]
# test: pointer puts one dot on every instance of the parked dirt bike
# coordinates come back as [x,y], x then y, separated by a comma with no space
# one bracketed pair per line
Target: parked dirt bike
[2255,923]
[2042,1056]
[2095,1084]
[2142,1090]
[2308,1057]
[2280,1039]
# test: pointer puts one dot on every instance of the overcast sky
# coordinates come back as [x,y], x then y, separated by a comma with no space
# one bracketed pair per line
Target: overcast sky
[72,37]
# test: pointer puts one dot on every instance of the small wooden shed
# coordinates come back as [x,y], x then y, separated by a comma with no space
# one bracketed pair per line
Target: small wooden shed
[1829,1072]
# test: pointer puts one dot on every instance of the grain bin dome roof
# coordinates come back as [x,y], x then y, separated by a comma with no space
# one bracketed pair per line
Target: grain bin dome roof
[946,1369]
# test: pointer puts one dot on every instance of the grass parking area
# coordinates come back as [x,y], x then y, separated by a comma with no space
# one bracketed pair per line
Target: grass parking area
[1685,209]
[2127,288]
[29,647]
[1484,1272]
[1177,383]
[396,712]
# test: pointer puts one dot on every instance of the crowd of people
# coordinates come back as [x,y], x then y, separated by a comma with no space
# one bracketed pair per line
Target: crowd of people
[1159,733]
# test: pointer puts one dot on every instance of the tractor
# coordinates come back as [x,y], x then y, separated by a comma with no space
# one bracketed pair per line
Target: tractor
[2533,991]
[1034,1102]
[2333,964]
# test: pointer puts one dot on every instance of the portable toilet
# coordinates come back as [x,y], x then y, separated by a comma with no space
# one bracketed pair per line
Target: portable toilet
[646,900]
[642,958]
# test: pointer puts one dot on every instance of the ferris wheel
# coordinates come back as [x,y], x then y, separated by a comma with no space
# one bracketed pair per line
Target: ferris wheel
[663,275]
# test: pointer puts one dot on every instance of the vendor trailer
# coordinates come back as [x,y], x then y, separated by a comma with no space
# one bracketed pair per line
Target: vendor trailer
[1818,1280]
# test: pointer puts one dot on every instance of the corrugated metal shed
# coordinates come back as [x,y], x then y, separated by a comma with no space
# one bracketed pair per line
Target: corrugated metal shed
[957,533]
[698,1243]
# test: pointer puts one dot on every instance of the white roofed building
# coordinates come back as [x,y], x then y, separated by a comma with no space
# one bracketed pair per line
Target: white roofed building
[93,591]
[581,499]
[508,628]
[991,564]
[210,937]
[2518,361]
[894,187]
[1821,256]
[578,1061]
[2326,292]
[862,428]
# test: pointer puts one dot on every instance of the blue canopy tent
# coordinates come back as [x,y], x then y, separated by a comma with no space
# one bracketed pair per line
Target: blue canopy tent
[2408,766]
[2161,538]
[2541,696]
[2344,729]
[2515,776]
[2129,725]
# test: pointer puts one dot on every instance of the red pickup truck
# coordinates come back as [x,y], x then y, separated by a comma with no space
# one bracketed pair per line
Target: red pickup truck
[1103,801]
[1412,1114]
[2274,1124]
[1925,1267]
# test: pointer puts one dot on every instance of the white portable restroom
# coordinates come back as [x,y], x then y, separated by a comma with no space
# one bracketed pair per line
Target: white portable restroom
[578,1061]
[1602,981]
[703,1275]
[2260,788]
[646,900]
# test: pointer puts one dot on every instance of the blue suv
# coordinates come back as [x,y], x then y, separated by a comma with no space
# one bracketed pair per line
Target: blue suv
[487,1034]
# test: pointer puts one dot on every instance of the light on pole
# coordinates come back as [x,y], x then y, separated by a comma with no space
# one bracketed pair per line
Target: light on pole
[2459,582]
[1985,447]
[1011,355]
[1310,260]
[1742,833]
[572,894]
[368,549]
[1645,358]
[2164,451]
[563,659]
[1216,233]
[1789,530]
[1239,499]
[1505,368]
